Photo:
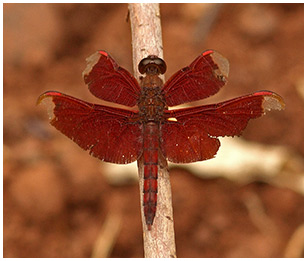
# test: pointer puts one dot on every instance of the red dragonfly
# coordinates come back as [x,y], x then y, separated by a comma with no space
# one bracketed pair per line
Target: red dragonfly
[181,136]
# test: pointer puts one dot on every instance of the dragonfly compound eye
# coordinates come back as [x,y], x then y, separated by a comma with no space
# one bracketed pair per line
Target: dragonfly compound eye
[152,64]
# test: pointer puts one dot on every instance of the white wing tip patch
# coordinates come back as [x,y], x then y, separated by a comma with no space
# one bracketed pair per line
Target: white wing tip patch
[91,61]
[273,102]
[222,63]
[47,101]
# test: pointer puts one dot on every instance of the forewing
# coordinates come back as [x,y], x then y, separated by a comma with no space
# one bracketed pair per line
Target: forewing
[110,82]
[190,134]
[107,133]
[202,78]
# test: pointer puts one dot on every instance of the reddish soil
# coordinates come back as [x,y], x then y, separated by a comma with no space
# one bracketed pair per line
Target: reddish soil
[55,196]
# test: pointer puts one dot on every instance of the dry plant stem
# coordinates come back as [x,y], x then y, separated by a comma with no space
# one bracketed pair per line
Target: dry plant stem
[147,39]
[146,33]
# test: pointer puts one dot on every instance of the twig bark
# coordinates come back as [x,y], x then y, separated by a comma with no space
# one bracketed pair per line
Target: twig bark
[146,40]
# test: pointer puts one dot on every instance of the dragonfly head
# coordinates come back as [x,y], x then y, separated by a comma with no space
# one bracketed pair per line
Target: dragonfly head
[152,65]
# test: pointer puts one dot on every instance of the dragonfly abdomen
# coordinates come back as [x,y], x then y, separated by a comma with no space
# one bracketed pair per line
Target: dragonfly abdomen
[151,150]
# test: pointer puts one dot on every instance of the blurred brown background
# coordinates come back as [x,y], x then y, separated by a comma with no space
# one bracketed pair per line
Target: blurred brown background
[56,198]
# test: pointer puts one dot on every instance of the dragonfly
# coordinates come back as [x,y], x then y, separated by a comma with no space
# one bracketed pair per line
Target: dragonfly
[149,129]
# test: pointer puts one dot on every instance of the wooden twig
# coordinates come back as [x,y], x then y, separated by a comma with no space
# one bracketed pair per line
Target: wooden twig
[146,40]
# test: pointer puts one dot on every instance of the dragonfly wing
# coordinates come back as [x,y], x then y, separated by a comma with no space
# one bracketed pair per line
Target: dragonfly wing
[186,143]
[104,131]
[110,82]
[202,78]
[190,134]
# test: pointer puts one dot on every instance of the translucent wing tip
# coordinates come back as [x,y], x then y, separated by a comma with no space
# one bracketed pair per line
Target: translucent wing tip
[222,63]
[222,69]
[42,99]
[271,101]
[91,61]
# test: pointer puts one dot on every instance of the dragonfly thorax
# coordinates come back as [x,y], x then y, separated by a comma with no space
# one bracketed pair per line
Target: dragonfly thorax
[151,102]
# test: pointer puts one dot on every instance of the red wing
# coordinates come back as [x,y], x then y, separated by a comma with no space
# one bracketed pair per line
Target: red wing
[203,78]
[186,143]
[110,82]
[105,131]
[190,134]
